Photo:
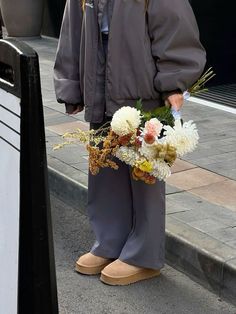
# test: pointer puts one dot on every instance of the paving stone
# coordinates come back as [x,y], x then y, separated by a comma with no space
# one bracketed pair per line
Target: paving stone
[51,141]
[82,166]
[200,240]
[80,116]
[44,69]
[56,164]
[181,165]
[190,208]
[81,160]
[56,117]
[80,177]
[222,165]
[223,215]
[49,134]
[232,243]
[205,136]
[231,174]
[191,216]
[184,202]
[213,159]
[171,189]
[225,235]
[48,95]
[67,170]
[69,154]
[220,193]
[49,111]
[47,87]
[54,105]
[203,152]
[62,128]
[171,207]
[208,224]
[193,178]
[223,142]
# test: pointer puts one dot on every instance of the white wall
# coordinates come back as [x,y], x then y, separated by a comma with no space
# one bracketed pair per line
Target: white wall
[9,201]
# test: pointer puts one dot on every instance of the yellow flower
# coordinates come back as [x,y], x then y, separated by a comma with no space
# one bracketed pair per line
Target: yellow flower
[144,165]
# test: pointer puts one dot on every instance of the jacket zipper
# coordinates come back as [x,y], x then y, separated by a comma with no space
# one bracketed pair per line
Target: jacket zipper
[107,96]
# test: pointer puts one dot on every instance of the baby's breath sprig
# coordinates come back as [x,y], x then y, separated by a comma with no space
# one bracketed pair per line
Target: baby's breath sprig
[61,145]
[95,137]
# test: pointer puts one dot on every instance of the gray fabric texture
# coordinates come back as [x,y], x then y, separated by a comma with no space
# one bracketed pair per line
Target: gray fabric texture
[127,217]
[149,53]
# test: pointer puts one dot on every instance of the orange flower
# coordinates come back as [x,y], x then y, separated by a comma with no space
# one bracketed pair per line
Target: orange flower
[138,173]
[149,138]
[124,140]
[137,142]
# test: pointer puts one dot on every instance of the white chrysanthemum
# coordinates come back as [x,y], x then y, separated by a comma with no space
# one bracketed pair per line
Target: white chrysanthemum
[127,155]
[183,137]
[148,150]
[161,169]
[125,121]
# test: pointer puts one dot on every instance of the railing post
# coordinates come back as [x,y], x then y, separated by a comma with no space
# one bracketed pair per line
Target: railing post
[1,35]
[27,267]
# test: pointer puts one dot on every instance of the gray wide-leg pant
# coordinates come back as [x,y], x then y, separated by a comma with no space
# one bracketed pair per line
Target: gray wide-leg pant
[127,217]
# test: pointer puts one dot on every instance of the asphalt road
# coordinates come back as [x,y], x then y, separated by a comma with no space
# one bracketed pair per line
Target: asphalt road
[171,293]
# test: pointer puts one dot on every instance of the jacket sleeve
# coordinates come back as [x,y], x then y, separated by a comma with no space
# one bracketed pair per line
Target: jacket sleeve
[176,48]
[66,69]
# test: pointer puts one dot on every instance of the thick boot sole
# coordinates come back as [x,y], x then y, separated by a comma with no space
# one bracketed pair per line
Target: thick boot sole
[85,270]
[124,281]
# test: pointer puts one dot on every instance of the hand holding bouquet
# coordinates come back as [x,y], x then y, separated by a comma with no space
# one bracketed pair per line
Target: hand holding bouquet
[149,142]
[149,145]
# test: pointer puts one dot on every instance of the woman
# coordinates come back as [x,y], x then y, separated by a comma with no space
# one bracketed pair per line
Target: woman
[110,54]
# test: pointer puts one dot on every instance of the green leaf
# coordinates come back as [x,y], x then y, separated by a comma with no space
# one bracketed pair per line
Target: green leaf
[139,105]
[163,114]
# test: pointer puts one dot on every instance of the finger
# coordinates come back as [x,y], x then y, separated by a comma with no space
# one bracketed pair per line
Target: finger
[167,103]
[79,109]
[176,101]
[176,106]
[176,98]
[69,109]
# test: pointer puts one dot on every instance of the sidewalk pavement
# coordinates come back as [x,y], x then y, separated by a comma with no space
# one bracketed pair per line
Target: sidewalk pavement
[201,198]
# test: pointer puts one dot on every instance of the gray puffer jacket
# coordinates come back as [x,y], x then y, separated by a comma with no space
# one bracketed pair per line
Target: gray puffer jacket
[149,53]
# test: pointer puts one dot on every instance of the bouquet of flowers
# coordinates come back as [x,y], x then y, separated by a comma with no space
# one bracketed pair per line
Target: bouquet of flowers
[149,142]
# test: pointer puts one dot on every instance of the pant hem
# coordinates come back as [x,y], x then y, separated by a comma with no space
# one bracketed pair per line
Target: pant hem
[102,253]
[133,262]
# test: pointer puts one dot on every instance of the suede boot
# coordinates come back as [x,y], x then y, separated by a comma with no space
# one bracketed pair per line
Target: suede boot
[119,273]
[89,264]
